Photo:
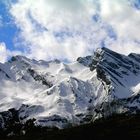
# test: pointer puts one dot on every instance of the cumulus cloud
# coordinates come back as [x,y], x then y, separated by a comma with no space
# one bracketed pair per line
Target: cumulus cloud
[67,29]
[56,28]
[123,17]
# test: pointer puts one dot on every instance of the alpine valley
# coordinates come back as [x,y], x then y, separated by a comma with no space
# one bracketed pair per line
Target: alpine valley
[48,97]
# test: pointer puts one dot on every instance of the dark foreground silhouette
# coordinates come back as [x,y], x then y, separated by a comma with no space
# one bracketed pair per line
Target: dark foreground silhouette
[117,126]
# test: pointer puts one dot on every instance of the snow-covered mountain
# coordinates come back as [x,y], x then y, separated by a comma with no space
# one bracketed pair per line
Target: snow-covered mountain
[56,94]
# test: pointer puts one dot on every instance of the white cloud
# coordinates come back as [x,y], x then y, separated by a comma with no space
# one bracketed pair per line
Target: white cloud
[71,21]
[6,53]
[3,53]
[123,46]
[124,18]
[65,29]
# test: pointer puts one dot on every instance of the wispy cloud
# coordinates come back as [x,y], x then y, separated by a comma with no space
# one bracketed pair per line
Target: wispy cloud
[3,53]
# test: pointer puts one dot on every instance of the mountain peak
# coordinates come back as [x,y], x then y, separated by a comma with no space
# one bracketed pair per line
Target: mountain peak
[18,58]
[55,94]
[103,49]
[99,54]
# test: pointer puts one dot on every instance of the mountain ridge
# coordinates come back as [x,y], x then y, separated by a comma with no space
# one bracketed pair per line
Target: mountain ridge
[59,95]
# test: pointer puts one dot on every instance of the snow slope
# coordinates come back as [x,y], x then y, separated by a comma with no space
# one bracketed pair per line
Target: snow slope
[56,94]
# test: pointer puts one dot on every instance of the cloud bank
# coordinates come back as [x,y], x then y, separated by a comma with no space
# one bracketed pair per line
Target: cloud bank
[67,29]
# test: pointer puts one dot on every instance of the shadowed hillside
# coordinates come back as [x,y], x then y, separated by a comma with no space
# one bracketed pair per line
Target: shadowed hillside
[115,126]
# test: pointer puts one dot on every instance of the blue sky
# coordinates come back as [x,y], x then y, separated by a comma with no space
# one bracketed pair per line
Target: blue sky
[8,29]
[48,29]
